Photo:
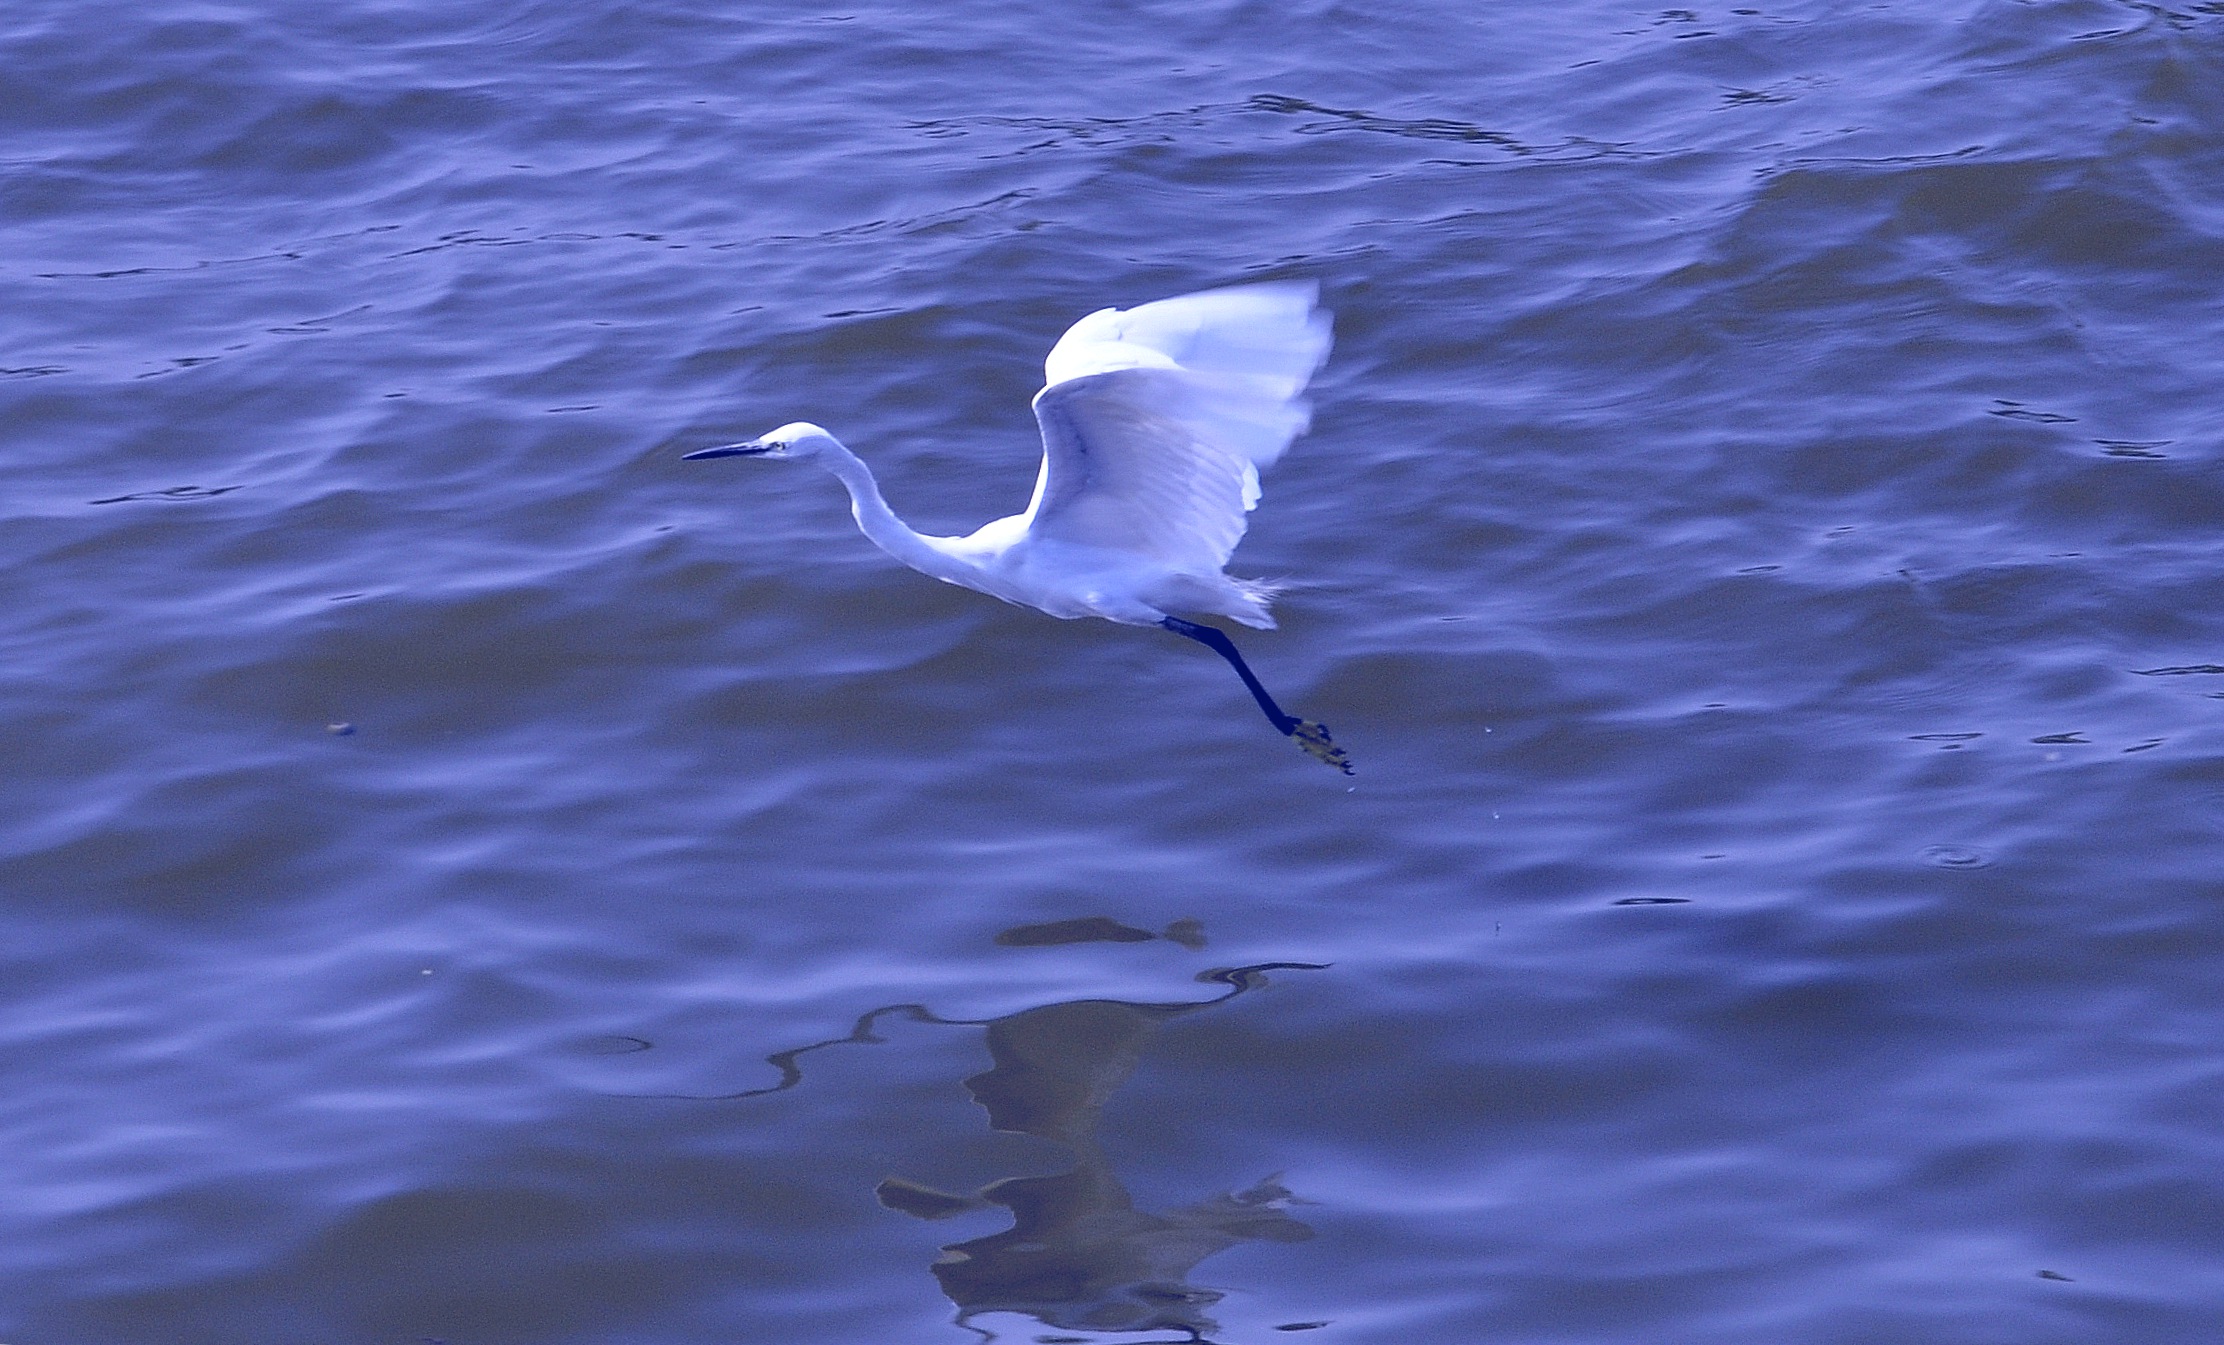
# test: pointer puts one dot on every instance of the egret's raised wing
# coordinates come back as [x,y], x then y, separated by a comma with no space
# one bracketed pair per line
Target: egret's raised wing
[1156,420]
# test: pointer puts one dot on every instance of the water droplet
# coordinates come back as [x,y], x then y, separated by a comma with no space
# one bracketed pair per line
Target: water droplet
[1956,857]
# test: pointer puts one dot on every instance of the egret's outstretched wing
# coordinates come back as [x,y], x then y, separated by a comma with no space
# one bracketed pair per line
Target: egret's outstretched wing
[1156,420]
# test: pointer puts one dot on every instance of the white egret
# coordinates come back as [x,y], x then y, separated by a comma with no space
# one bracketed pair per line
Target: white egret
[1155,423]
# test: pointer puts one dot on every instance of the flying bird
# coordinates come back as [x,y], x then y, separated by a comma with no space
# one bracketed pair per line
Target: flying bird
[1156,421]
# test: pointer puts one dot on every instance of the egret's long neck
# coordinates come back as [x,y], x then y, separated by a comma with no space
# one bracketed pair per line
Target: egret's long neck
[890,533]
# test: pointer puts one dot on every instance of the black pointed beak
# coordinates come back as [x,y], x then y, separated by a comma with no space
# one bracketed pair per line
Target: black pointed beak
[749,450]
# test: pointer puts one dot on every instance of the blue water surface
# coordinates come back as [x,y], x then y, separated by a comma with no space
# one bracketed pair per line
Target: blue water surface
[471,876]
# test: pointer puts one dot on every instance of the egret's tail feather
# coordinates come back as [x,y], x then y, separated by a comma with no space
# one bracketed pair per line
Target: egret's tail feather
[1254,604]
[1222,595]
[1260,591]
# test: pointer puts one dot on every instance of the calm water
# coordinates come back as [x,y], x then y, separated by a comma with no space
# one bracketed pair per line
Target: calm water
[1758,540]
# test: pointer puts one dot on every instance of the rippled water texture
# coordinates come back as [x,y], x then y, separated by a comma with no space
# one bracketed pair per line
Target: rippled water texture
[473,877]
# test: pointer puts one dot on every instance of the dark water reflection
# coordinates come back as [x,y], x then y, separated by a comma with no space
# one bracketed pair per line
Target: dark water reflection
[1079,1255]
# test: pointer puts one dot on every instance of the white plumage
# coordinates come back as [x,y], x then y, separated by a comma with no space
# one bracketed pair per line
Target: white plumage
[1156,421]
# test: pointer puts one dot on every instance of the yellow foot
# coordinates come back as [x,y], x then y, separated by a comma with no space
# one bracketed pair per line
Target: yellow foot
[1319,746]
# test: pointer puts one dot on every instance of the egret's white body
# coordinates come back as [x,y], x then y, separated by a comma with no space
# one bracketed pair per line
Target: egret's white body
[1156,421]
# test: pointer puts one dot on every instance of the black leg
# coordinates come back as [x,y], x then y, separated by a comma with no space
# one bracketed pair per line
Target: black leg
[1215,639]
[1309,735]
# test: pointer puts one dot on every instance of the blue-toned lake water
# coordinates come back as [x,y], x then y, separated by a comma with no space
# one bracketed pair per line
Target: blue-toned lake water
[472,877]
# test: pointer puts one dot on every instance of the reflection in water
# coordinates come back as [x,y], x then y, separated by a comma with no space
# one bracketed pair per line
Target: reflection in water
[1098,929]
[1079,1255]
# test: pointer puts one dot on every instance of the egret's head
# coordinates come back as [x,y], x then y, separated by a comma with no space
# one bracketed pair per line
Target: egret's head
[797,439]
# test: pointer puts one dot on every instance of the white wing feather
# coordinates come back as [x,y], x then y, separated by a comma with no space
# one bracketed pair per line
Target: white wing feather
[1156,420]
